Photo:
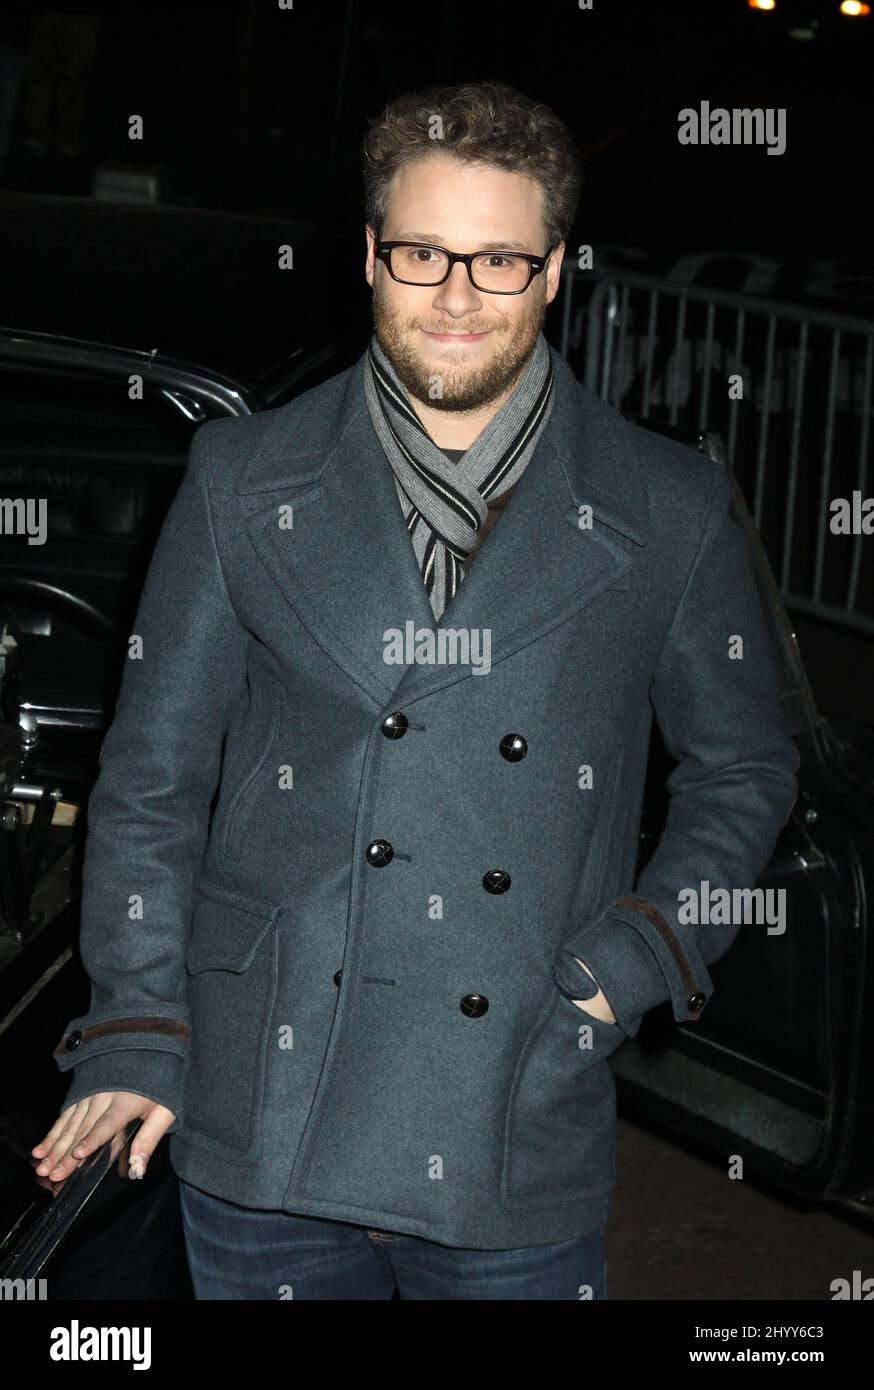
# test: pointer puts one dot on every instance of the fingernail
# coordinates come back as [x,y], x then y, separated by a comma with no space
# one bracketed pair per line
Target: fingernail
[78,1151]
[137,1168]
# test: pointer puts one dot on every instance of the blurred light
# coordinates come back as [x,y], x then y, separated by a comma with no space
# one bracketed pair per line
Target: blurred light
[854,7]
[762,4]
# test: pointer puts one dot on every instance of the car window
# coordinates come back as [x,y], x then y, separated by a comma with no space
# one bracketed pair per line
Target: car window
[88,475]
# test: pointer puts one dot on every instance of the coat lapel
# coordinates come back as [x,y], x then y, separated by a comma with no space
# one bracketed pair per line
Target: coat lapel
[347,564]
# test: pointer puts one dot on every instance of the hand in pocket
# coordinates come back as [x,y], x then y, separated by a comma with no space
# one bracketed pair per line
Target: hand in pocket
[597,1006]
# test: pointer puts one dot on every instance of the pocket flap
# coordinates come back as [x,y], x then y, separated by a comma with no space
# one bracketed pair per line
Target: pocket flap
[226,929]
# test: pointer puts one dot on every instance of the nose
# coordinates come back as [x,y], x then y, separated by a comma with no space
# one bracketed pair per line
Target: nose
[457,296]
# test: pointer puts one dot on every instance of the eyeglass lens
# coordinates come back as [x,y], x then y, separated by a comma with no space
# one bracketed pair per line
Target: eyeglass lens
[427,265]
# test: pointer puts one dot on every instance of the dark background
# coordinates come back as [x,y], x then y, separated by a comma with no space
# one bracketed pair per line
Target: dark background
[253,122]
[251,108]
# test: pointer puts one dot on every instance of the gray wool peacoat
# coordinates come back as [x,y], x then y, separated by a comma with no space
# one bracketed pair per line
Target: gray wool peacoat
[341,860]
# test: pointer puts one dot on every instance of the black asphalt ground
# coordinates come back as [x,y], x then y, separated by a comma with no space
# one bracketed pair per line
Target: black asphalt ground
[680,1229]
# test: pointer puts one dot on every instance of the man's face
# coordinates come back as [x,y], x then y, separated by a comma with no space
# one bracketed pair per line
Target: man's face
[463,208]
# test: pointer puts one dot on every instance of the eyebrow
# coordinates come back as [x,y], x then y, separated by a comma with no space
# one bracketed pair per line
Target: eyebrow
[431,240]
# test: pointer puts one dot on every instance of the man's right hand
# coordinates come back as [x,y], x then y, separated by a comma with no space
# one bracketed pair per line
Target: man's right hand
[83,1127]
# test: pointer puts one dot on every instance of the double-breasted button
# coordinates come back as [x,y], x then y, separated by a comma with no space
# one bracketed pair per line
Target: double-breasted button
[337,976]
[474,1005]
[513,747]
[496,881]
[379,853]
[696,1001]
[395,725]
[74,1040]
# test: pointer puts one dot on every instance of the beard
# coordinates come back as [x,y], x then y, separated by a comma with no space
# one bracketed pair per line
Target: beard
[464,385]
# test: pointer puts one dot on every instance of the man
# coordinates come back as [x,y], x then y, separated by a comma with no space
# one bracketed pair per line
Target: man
[430,607]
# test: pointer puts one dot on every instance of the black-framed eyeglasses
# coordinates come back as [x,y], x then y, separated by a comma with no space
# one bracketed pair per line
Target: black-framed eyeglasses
[493,272]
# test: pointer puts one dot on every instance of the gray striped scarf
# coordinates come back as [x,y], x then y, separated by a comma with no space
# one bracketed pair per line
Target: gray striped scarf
[445,502]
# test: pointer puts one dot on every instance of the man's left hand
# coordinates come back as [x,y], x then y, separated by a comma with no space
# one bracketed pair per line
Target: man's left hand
[597,1005]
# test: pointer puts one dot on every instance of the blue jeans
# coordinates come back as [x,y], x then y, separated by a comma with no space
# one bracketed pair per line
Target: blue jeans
[239,1252]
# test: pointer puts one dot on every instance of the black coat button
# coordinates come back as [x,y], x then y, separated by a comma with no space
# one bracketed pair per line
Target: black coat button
[474,1005]
[696,1001]
[379,853]
[395,726]
[74,1040]
[513,747]
[337,974]
[496,881]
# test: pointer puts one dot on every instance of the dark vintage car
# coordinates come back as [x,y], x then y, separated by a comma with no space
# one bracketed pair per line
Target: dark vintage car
[776,1068]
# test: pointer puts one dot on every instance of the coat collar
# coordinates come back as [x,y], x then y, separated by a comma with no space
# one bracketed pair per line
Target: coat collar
[346,564]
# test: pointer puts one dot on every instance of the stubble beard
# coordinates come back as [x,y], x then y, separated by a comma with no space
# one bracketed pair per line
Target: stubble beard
[462,386]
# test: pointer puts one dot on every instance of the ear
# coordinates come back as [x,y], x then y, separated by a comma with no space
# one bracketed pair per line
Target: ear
[553,272]
[370,239]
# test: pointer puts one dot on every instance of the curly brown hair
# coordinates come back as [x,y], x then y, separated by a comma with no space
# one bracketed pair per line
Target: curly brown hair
[482,123]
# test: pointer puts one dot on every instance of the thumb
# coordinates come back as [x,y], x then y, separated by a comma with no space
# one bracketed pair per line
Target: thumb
[146,1140]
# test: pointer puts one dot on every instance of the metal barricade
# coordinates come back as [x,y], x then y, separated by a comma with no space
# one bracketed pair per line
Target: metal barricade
[789,388]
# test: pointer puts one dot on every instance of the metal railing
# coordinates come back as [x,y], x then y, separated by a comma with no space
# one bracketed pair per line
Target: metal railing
[789,388]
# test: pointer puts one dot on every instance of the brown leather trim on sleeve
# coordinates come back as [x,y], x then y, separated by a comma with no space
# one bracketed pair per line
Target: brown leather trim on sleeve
[71,1041]
[695,997]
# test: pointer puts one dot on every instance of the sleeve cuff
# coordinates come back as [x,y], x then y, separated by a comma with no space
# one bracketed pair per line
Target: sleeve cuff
[93,1034]
[623,965]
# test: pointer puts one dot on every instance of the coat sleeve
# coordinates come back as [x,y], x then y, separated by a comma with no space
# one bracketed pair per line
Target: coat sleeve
[730,795]
[149,808]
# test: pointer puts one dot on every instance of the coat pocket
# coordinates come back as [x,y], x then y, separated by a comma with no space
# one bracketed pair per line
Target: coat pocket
[561,1113]
[231,961]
